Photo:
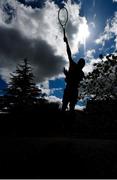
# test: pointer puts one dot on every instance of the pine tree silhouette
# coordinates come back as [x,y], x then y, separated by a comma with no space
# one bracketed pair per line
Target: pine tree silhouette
[22,88]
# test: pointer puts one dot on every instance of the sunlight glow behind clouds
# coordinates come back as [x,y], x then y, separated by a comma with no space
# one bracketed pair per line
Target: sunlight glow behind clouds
[83,33]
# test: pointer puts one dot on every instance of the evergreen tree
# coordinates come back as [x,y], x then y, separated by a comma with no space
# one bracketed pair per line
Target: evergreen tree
[22,88]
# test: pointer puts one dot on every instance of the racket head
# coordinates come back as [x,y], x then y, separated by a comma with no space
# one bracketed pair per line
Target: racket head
[63,16]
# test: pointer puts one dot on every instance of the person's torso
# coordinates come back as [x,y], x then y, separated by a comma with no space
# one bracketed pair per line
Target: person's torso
[75,75]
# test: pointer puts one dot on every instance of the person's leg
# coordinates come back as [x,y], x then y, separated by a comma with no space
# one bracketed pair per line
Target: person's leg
[73,99]
[72,105]
[64,105]
[65,100]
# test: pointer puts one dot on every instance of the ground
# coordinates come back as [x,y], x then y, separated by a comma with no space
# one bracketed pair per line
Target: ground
[47,143]
[58,158]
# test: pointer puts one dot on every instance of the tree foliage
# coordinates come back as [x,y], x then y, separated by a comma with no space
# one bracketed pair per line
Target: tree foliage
[22,88]
[101,83]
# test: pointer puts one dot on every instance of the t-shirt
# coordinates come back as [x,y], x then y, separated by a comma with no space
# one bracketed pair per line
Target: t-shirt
[74,75]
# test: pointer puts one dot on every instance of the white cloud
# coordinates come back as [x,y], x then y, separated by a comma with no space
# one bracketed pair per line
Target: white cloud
[104,37]
[114,0]
[90,54]
[90,60]
[44,86]
[110,32]
[89,66]
[54,99]
[80,108]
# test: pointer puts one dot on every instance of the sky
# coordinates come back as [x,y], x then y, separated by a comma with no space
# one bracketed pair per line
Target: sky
[30,28]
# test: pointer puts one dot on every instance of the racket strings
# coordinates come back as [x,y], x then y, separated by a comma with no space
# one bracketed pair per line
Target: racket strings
[63,16]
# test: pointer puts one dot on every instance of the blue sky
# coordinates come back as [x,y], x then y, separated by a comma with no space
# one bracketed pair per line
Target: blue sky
[99,15]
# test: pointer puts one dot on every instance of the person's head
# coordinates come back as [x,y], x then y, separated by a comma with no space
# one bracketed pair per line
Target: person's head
[81,63]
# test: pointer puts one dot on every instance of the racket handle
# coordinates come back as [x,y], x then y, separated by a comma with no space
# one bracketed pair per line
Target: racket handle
[65,38]
[64,31]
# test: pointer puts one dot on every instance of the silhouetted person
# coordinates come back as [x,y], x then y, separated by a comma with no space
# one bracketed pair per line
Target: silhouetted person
[73,77]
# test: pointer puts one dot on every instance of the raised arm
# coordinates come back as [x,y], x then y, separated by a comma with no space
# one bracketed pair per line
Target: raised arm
[68,48]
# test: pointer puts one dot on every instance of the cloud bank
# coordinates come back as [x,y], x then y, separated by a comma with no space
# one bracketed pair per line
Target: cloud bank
[37,35]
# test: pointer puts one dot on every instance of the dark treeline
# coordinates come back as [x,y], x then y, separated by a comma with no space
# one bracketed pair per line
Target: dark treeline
[26,112]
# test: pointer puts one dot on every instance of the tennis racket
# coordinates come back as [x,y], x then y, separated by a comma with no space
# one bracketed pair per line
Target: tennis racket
[63,17]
